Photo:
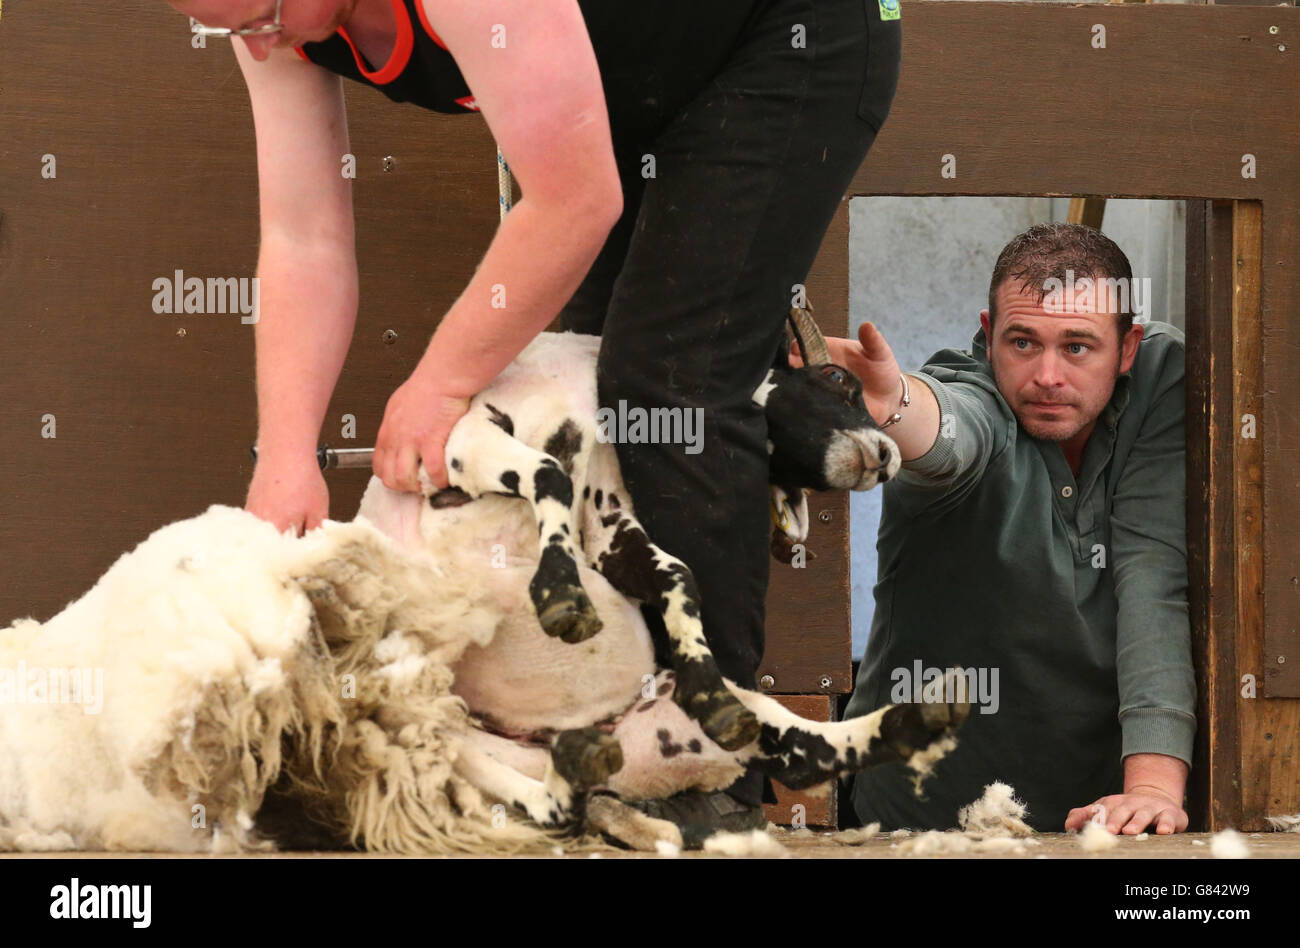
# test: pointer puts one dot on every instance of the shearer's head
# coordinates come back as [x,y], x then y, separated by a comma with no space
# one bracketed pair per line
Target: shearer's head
[1060,328]
[255,22]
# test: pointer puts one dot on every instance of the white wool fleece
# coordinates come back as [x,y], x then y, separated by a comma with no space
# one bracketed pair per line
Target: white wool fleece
[208,654]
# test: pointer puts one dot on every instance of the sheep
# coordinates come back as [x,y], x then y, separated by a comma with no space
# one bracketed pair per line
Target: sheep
[367,674]
[533,435]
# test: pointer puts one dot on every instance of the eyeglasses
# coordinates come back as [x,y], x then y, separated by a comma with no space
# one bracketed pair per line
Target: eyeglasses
[252,31]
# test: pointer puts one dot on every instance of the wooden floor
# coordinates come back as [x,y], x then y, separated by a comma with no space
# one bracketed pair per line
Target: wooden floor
[1051,846]
[806,844]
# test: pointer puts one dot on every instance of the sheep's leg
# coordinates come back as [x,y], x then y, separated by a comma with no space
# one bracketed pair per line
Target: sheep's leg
[580,760]
[484,457]
[629,826]
[619,549]
[667,752]
[802,753]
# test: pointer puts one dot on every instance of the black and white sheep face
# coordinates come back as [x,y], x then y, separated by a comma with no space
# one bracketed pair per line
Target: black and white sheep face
[820,434]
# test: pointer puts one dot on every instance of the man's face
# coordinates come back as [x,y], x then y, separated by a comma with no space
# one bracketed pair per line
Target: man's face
[303,21]
[1056,367]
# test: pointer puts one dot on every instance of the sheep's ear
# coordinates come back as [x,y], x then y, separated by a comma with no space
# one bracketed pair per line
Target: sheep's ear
[790,513]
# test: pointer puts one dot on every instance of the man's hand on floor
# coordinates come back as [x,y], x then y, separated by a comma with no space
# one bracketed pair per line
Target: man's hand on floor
[1131,813]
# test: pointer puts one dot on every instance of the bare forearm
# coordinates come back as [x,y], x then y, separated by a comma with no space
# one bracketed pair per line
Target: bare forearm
[1156,772]
[308,310]
[534,264]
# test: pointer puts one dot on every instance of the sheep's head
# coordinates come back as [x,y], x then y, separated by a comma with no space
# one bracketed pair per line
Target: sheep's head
[820,434]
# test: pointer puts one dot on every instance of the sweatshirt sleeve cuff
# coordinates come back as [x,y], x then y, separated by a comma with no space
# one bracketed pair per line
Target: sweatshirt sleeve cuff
[941,457]
[1158,731]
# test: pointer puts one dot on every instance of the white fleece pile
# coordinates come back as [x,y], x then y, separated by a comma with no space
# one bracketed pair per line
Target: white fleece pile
[993,824]
[221,642]
[996,814]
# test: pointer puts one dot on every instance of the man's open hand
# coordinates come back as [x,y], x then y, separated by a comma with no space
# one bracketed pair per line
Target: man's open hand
[1131,813]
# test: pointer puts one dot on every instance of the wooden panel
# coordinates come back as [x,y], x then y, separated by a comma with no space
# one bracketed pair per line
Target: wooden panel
[1089,211]
[1270,766]
[1214,791]
[1170,72]
[1198,393]
[809,628]
[819,803]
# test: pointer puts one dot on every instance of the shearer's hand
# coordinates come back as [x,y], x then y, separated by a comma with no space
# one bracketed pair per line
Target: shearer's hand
[872,361]
[288,491]
[417,421]
[1131,813]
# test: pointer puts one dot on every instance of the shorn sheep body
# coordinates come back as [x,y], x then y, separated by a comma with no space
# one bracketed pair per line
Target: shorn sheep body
[454,672]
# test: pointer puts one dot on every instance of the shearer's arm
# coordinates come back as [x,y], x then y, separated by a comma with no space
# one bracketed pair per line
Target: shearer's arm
[307,274]
[542,97]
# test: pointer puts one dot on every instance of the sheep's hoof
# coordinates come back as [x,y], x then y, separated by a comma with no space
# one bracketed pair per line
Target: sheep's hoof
[910,728]
[728,723]
[566,613]
[701,693]
[586,757]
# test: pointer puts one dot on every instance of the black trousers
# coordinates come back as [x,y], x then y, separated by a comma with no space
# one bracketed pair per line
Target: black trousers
[725,207]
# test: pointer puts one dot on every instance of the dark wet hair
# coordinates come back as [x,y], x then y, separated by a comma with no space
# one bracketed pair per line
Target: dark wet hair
[1048,251]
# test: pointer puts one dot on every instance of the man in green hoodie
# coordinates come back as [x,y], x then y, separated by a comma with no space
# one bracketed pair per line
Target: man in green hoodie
[1036,537]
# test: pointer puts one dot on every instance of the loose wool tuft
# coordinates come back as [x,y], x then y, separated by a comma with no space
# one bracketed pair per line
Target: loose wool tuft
[856,836]
[936,843]
[232,657]
[1095,838]
[1285,824]
[996,814]
[1229,844]
[754,843]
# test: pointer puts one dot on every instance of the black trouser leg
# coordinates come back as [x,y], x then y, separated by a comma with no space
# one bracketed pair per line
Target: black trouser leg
[748,177]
